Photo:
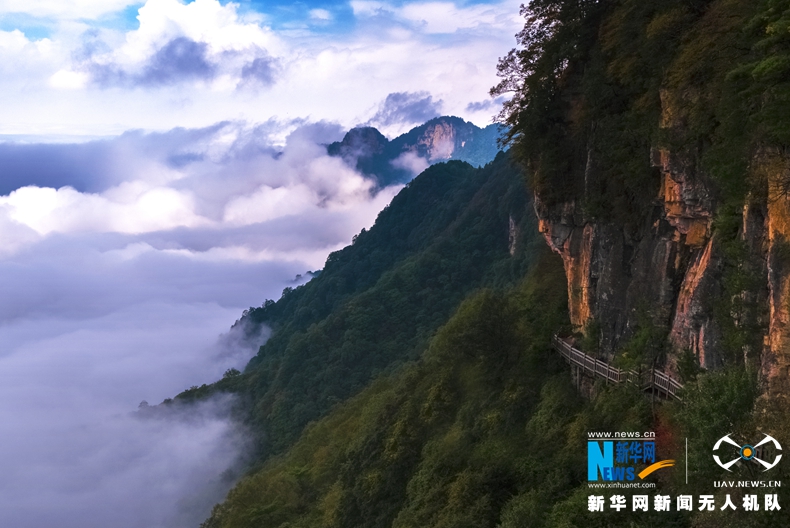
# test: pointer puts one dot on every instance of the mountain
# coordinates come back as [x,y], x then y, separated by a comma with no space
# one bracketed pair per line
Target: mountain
[663,186]
[655,136]
[377,302]
[472,433]
[397,161]
[368,325]
[413,382]
[397,384]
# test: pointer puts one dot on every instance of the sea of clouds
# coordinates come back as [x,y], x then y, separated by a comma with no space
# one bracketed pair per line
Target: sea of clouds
[122,263]
[126,256]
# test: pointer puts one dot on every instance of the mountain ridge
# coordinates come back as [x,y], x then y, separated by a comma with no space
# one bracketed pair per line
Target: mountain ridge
[398,160]
[450,230]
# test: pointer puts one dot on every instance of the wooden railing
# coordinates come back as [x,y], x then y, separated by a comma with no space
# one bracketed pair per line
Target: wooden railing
[652,379]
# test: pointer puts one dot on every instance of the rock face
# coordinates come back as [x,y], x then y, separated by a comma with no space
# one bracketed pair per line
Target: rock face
[687,204]
[398,161]
[439,141]
[360,142]
[614,277]
[672,269]
[775,365]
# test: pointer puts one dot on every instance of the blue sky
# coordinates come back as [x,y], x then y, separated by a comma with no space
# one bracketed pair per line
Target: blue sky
[100,67]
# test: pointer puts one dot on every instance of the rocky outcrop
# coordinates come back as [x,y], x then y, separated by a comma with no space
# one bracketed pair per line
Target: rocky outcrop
[398,160]
[692,326]
[614,277]
[360,142]
[447,137]
[512,236]
[666,272]
[437,142]
[775,365]
[687,204]
[675,271]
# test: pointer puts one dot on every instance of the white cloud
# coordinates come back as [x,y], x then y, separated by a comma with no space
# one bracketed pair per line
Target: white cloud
[411,162]
[13,41]
[198,63]
[68,80]
[447,17]
[21,58]
[368,7]
[320,14]
[65,210]
[441,17]
[15,236]
[225,182]
[202,41]
[118,294]
[74,455]
[202,21]
[122,259]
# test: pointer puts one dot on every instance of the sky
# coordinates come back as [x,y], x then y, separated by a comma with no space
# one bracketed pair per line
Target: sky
[98,67]
[162,168]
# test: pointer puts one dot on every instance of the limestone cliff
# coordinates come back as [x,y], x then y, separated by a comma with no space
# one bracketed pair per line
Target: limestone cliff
[655,136]
[673,269]
[775,365]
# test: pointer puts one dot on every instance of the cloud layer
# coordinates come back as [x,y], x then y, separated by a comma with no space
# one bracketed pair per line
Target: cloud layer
[119,275]
[129,247]
[192,64]
[405,108]
[224,176]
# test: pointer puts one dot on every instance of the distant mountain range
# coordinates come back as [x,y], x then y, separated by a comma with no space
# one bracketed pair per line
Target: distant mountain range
[398,161]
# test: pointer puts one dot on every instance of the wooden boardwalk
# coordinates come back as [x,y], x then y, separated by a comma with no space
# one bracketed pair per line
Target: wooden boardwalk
[653,380]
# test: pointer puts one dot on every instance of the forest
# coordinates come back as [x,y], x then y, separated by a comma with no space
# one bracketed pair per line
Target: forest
[412,382]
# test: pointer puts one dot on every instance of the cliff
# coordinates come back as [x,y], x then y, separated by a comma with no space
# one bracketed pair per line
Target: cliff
[668,266]
[650,137]
[656,145]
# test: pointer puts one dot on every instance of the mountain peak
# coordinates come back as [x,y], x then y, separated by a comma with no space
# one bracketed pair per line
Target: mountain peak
[399,160]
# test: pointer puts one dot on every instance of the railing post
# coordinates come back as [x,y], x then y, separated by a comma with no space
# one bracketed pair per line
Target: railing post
[582,362]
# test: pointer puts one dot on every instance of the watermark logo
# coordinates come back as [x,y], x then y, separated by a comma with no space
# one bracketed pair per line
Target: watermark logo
[620,457]
[747,452]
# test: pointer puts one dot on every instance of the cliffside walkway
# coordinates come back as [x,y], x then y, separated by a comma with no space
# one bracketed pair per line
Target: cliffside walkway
[653,380]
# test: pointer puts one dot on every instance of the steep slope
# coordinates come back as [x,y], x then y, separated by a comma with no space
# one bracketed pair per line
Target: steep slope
[662,179]
[440,139]
[377,302]
[440,443]
[485,430]
[656,138]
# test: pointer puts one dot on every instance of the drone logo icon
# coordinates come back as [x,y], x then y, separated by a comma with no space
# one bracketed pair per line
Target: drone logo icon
[747,452]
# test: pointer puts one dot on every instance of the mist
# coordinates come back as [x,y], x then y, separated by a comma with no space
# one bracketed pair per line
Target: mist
[122,275]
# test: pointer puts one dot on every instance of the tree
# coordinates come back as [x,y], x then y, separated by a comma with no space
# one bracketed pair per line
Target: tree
[551,49]
[231,373]
[553,39]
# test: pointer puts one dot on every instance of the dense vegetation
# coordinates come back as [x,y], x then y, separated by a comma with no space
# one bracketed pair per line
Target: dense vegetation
[440,442]
[377,302]
[485,430]
[590,78]
[474,425]
[411,383]
[597,85]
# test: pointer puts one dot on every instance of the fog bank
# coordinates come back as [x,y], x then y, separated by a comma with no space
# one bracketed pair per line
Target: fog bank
[121,284]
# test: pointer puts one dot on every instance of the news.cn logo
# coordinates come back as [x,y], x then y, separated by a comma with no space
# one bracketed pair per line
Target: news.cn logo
[747,452]
[619,457]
